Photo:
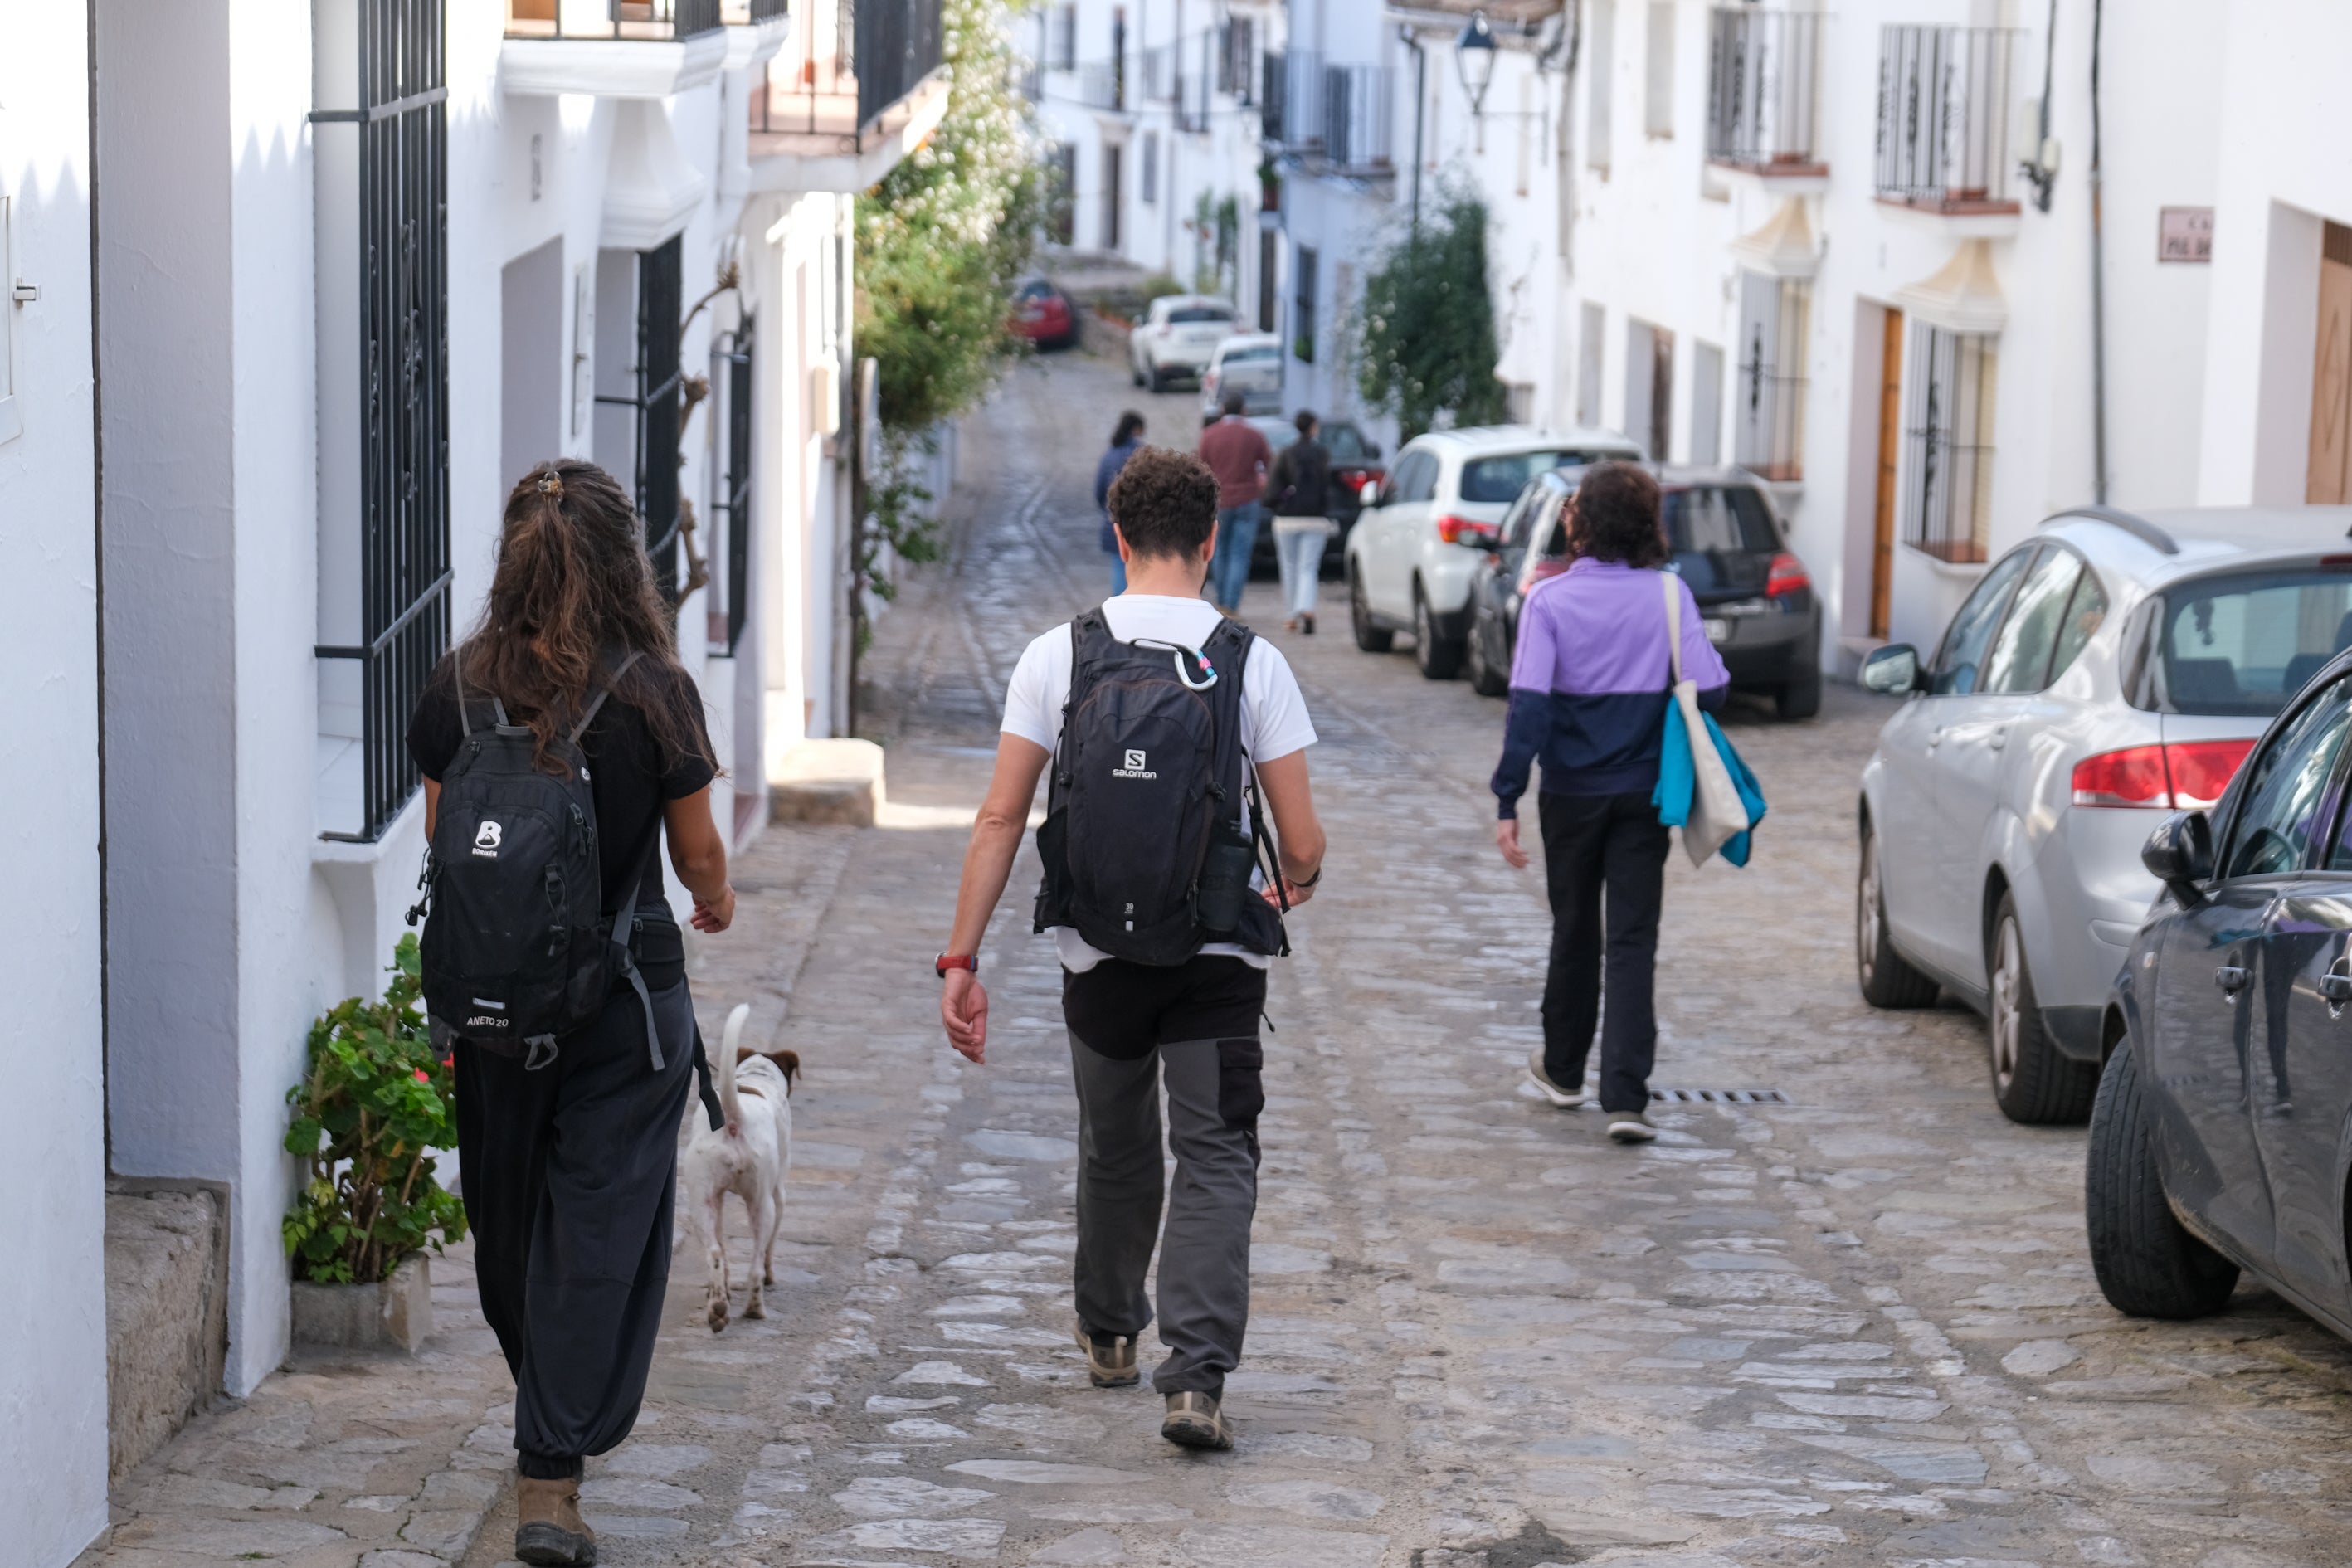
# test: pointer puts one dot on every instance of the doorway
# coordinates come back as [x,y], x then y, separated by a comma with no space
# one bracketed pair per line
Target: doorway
[1111,197]
[2327,475]
[1650,389]
[1890,448]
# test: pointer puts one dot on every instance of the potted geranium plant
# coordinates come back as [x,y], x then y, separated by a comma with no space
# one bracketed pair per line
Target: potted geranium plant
[374,1102]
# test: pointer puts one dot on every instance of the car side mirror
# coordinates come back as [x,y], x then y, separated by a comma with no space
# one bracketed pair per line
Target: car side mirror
[1893,670]
[2179,854]
[1371,494]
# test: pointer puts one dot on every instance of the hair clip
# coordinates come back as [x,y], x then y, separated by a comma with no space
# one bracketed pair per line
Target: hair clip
[550,485]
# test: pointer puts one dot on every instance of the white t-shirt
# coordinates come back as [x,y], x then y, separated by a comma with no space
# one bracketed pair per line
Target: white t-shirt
[1273,712]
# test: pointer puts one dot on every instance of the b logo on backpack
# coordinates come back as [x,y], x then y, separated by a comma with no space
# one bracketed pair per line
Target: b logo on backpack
[486,839]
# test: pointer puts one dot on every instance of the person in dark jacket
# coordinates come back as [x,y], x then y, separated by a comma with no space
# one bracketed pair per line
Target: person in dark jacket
[1123,443]
[1300,493]
[1589,684]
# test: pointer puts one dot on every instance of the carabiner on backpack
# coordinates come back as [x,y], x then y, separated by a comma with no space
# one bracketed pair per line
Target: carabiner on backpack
[1179,650]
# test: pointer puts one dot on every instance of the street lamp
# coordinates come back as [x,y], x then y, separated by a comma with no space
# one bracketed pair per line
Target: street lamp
[1473,54]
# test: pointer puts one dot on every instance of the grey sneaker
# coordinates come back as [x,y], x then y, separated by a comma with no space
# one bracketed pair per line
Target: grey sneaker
[1630,1127]
[1110,1361]
[1194,1421]
[1566,1098]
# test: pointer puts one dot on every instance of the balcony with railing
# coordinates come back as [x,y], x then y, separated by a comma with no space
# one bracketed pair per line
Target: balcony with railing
[613,48]
[1944,97]
[1338,119]
[752,13]
[1101,84]
[867,89]
[1763,88]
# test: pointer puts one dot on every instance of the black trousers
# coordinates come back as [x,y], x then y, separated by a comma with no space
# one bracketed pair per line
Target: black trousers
[569,1173]
[1597,845]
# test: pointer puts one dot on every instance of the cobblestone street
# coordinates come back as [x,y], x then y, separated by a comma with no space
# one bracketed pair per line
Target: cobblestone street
[1851,1323]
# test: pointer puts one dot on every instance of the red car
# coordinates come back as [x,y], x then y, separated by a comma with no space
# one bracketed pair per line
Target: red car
[1044,315]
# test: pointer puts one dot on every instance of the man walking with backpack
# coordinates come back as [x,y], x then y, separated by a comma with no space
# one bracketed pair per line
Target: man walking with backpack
[1184,732]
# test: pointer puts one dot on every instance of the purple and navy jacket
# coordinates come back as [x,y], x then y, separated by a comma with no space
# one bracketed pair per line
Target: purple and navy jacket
[1590,680]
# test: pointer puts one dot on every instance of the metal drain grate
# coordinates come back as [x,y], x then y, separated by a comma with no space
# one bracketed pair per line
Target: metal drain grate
[1719,1096]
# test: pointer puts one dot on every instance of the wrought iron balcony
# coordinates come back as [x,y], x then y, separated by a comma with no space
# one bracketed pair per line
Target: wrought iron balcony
[1763,82]
[651,21]
[1102,84]
[1339,116]
[1943,119]
[751,13]
[864,60]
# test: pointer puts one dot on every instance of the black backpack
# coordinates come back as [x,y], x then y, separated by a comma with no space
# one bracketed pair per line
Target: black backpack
[518,948]
[1141,854]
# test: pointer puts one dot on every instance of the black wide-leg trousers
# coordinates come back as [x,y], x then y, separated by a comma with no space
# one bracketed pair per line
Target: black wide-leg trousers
[1605,870]
[569,1173]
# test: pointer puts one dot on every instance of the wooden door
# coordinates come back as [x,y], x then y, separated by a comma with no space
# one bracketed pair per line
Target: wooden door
[2328,478]
[1890,449]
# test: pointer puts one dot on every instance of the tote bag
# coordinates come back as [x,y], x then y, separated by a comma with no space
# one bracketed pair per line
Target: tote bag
[1704,788]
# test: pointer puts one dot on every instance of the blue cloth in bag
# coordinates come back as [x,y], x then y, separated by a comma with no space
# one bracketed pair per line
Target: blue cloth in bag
[1676,781]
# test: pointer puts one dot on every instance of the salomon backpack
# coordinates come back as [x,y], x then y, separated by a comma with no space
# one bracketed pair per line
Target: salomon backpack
[518,948]
[1151,834]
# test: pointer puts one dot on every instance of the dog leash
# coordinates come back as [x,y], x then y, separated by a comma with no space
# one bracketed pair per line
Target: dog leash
[705,1092]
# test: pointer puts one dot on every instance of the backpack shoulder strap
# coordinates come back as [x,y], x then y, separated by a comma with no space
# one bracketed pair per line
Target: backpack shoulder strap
[1673,585]
[457,679]
[603,688]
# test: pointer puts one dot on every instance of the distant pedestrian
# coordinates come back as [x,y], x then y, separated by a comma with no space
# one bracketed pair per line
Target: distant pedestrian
[567,1143]
[1123,443]
[1178,722]
[1300,494]
[1588,696]
[1237,453]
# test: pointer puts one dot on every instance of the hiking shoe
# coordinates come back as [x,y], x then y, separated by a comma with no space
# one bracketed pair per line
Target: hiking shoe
[1194,1421]
[549,1530]
[1630,1127]
[1110,1360]
[1566,1098]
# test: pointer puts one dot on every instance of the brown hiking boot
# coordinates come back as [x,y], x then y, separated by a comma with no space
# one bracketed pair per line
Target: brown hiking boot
[1110,1361]
[547,1526]
[1194,1421]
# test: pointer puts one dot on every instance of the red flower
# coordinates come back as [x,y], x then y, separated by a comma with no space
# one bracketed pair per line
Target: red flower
[423,1076]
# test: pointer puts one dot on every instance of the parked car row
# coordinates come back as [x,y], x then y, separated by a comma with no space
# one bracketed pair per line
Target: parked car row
[2111,817]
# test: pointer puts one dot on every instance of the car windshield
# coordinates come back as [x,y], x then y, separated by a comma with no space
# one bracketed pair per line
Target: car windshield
[1038,290]
[1502,478]
[1194,315]
[1260,352]
[1345,443]
[1279,433]
[2242,643]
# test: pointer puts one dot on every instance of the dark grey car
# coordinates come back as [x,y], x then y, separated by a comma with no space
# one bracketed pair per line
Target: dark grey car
[2219,1141]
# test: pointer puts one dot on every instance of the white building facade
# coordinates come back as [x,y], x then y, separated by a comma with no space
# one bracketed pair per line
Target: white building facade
[359,265]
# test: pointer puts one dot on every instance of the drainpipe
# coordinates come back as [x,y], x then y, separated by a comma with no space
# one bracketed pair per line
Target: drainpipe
[1420,105]
[2098,282]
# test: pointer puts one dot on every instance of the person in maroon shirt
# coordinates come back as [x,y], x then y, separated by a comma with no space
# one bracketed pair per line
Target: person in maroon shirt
[1236,452]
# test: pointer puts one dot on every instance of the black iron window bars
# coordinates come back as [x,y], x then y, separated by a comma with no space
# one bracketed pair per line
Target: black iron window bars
[654,406]
[403,180]
[1948,494]
[735,358]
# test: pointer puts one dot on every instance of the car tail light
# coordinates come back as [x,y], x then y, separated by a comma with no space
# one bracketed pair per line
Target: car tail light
[2186,775]
[1786,575]
[1464,530]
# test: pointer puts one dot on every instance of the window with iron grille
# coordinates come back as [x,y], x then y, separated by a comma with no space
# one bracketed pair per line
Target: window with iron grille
[1065,37]
[735,359]
[1151,167]
[1770,407]
[1948,490]
[652,406]
[1302,317]
[401,147]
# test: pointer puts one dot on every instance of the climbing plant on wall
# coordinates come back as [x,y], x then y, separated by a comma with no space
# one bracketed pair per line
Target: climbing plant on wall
[1426,346]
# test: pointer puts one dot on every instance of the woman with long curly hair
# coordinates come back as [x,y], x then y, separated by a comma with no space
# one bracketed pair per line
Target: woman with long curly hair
[569,1163]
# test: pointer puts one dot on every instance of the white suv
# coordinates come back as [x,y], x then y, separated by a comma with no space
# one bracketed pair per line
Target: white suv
[2110,670]
[1176,337]
[1415,548]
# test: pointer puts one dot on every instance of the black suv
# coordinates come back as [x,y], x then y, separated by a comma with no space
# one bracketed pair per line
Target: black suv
[1728,545]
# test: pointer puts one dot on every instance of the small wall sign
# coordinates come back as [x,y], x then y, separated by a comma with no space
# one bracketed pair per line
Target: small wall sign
[2184,234]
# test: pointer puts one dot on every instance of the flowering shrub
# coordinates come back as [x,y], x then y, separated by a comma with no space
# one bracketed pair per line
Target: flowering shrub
[373,1100]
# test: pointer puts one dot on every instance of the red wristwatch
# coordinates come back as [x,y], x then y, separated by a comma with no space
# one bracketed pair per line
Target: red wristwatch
[948,961]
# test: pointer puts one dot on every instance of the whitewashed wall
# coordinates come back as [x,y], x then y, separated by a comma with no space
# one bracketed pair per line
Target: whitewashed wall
[52,1148]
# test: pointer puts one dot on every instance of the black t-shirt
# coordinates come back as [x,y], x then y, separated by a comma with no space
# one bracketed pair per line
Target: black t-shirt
[625,763]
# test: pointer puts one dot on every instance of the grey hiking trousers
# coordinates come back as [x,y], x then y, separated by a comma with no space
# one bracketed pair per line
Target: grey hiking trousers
[1194,1030]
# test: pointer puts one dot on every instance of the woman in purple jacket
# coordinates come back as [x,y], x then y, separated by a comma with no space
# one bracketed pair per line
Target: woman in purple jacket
[1590,680]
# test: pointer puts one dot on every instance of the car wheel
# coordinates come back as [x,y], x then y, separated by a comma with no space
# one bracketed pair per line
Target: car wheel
[1438,658]
[2033,1081]
[1155,379]
[1486,679]
[1887,978]
[2147,1263]
[1369,637]
[1801,697]
[1135,372]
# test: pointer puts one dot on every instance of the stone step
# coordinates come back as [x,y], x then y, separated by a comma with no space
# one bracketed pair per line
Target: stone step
[836,781]
[166,1312]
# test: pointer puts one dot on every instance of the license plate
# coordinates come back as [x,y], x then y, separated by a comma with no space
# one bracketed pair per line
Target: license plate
[1717,629]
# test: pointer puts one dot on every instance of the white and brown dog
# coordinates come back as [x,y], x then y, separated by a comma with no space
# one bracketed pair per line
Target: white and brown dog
[750,1156]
